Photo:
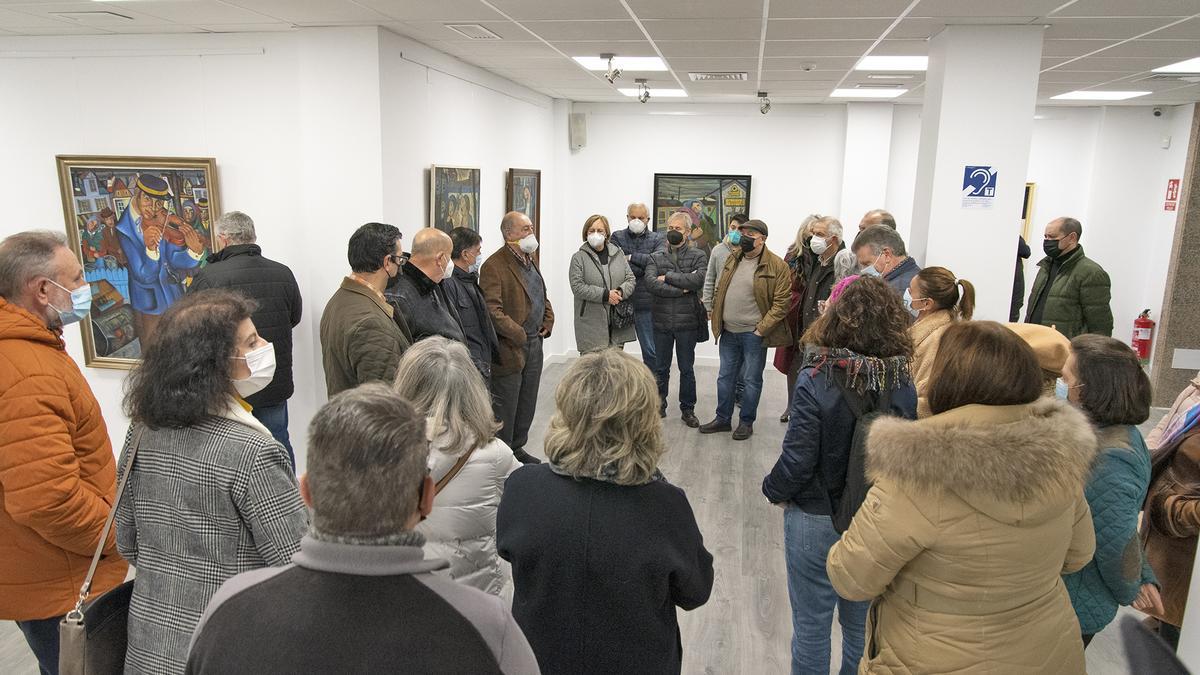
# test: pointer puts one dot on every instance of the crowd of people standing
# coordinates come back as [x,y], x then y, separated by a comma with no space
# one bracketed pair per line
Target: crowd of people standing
[967,495]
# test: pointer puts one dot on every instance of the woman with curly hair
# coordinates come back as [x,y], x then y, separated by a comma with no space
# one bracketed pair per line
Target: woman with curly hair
[603,548]
[211,493]
[857,353]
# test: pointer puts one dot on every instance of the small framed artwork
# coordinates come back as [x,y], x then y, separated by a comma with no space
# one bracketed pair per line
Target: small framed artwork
[524,194]
[453,197]
[709,199]
[1027,209]
[142,227]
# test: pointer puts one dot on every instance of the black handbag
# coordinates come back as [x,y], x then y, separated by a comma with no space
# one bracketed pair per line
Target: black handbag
[620,315]
[92,637]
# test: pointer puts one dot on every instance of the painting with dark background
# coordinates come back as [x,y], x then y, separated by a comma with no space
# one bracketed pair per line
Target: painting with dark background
[708,199]
[142,227]
[453,197]
[524,191]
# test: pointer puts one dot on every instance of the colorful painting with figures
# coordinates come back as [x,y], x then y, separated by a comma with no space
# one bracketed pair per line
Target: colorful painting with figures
[453,198]
[710,200]
[142,227]
[524,193]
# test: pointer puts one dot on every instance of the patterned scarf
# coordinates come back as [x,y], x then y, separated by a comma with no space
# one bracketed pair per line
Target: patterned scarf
[862,373]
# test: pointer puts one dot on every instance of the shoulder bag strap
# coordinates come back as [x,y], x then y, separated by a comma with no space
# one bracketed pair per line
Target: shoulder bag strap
[445,480]
[596,262]
[86,589]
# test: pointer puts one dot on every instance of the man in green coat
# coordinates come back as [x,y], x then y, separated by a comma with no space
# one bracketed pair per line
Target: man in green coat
[1071,292]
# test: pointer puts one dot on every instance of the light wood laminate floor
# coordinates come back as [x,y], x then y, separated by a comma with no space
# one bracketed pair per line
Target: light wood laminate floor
[746,625]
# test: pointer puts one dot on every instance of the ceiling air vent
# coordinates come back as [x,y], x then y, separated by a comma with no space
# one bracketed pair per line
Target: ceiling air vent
[1172,77]
[717,77]
[473,31]
[93,18]
[871,85]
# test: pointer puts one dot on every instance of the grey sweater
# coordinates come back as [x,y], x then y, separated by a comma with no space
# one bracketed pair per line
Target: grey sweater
[716,263]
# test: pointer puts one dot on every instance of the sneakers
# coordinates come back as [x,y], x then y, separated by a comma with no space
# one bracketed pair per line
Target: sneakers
[715,426]
[524,457]
[743,432]
[689,418]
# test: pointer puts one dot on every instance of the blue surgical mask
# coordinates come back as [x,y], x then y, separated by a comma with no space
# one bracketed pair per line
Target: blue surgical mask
[908,301]
[735,238]
[81,303]
[1061,390]
[474,268]
[870,270]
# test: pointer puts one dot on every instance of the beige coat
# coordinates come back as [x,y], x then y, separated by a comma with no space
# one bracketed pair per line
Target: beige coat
[974,516]
[926,337]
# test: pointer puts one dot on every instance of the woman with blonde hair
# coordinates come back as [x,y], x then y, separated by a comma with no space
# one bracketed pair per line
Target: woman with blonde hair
[935,298]
[603,548]
[467,463]
[601,280]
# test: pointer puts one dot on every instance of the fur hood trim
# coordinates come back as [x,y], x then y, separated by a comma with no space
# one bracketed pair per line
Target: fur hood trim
[1014,454]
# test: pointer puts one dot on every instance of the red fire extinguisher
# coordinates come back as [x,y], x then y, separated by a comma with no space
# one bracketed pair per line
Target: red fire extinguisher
[1143,336]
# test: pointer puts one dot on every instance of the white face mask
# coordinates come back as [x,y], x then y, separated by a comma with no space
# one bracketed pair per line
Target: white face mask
[596,239]
[449,268]
[637,226]
[261,362]
[528,244]
[818,245]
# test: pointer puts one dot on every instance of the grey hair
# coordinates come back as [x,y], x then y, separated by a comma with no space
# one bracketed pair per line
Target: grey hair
[637,205]
[237,227]
[367,456]
[678,215]
[834,225]
[25,256]
[879,237]
[438,377]
[804,231]
[510,221]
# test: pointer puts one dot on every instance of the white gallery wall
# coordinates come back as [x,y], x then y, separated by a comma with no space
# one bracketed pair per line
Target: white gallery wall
[319,130]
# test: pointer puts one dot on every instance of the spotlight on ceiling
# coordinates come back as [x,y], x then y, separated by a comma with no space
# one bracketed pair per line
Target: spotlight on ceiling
[643,90]
[764,103]
[613,72]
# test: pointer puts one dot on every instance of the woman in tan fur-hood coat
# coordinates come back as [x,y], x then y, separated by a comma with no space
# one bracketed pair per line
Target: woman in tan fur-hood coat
[974,516]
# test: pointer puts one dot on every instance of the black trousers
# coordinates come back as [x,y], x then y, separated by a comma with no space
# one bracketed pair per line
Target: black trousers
[514,397]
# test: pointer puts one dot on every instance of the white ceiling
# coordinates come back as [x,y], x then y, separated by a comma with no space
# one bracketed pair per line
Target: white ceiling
[797,50]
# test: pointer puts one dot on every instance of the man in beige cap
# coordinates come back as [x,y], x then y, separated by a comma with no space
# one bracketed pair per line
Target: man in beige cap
[748,312]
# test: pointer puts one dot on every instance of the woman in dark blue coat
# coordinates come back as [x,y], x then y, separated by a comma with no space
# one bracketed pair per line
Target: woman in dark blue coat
[860,344]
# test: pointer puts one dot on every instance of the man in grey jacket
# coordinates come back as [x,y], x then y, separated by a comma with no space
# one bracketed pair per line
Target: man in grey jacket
[673,277]
[359,592]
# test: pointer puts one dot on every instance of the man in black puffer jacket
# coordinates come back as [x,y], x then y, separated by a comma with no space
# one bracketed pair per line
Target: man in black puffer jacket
[241,266]
[675,278]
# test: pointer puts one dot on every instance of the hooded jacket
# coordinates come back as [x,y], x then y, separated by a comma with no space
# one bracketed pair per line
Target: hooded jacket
[57,474]
[974,516]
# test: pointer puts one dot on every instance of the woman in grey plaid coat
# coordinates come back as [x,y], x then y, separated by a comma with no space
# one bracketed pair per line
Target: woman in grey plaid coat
[212,494]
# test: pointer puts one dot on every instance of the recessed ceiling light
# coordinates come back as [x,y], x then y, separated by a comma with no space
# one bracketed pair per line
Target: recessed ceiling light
[868,93]
[655,93]
[1099,95]
[874,76]
[893,63]
[1189,66]
[627,63]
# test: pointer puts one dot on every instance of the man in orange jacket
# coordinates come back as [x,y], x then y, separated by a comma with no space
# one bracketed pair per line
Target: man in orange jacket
[57,471]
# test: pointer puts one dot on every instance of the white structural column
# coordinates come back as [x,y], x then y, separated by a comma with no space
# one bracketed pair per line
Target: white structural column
[865,171]
[981,90]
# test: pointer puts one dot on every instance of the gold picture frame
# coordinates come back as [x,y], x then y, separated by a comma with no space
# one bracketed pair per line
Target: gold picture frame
[142,227]
[1027,209]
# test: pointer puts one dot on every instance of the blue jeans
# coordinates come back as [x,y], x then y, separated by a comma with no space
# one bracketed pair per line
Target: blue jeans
[42,637]
[643,325]
[275,419]
[743,358]
[807,539]
[684,342]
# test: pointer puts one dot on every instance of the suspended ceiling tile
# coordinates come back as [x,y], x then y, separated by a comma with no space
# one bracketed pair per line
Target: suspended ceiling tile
[597,47]
[1127,8]
[704,29]
[960,8]
[208,12]
[711,48]
[437,30]
[696,9]
[553,31]
[811,48]
[793,9]
[698,64]
[1100,63]
[1102,29]
[852,29]
[1072,48]
[439,10]
[1174,49]
[902,48]
[511,49]
[277,26]
[569,10]
[1187,30]
[314,12]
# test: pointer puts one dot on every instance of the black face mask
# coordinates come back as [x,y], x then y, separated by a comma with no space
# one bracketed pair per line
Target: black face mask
[674,237]
[1052,247]
[747,244]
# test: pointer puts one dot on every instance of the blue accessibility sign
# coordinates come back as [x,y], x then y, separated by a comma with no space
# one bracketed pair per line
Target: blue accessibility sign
[978,186]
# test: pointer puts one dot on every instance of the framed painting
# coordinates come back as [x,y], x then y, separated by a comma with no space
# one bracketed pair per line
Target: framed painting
[142,227]
[1027,209]
[709,199]
[453,197]
[524,194]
